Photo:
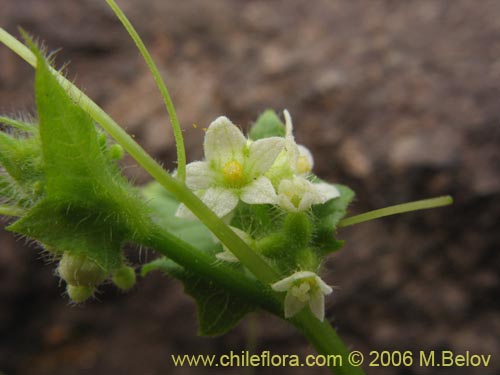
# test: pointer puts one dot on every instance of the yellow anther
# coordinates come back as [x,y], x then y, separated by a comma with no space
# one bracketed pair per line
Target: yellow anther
[233,172]
[303,164]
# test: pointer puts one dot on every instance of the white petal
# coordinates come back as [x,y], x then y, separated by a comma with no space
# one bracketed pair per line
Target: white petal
[185,213]
[304,151]
[288,123]
[224,141]
[304,162]
[303,275]
[308,199]
[286,283]
[242,234]
[327,191]
[221,201]
[324,287]
[262,154]
[292,305]
[198,175]
[317,304]
[285,203]
[227,256]
[260,191]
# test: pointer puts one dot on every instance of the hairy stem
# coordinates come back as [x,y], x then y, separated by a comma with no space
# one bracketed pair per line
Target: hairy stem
[204,265]
[326,341]
[179,141]
[397,209]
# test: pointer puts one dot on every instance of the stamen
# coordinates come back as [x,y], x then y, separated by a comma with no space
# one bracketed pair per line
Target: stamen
[233,172]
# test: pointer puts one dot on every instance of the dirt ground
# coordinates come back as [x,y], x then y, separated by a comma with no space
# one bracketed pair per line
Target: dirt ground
[397,99]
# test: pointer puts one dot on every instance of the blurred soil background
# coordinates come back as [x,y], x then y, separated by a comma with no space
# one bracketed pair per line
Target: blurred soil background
[397,99]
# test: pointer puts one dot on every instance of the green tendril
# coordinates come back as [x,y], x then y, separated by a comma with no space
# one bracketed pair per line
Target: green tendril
[397,209]
[179,141]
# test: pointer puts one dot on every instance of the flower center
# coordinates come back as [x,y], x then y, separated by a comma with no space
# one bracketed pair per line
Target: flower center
[233,172]
[294,197]
[301,291]
[303,165]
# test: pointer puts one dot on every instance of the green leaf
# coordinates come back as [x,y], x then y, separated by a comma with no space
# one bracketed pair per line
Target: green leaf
[327,217]
[164,205]
[267,125]
[88,207]
[22,160]
[218,310]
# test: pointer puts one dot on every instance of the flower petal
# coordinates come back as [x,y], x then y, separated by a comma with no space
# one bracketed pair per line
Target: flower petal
[198,175]
[262,154]
[221,201]
[304,162]
[260,191]
[324,287]
[227,256]
[224,142]
[185,213]
[327,191]
[284,284]
[292,305]
[317,304]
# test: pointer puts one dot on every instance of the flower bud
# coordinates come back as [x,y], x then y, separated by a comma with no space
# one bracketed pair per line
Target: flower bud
[124,278]
[79,294]
[116,152]
[78,270]
[298,229]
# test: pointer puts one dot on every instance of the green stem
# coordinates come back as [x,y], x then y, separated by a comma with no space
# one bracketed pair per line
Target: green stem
[11,211]
[326,341]
[204,265]
[179,141]
[397,209]
[258,266]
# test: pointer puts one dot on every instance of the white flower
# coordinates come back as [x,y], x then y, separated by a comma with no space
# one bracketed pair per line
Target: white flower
[234,169]
[298,194]
[226,255]
[294,159]
[302,288]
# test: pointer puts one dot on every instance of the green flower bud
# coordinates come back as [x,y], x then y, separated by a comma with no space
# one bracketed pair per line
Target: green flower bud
[124,278]
[79,294]
[298,229]
[78,270]
[116,152]
[307,259]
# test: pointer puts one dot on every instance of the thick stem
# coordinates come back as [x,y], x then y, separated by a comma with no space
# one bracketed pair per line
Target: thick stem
[397,209]
[204,265]
[326,341]
[179,141]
